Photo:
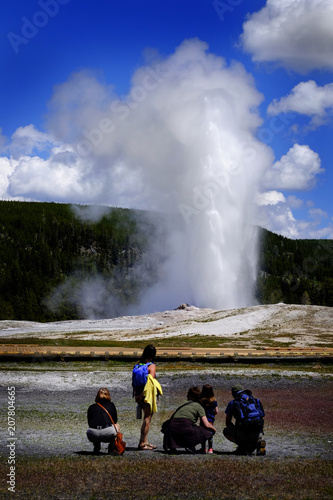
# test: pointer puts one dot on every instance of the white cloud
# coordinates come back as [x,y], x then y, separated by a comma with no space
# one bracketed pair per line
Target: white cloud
[315,228]
[7,166]
[294,202]
[315,233]
[275,215]
[306,99]
[34,176]
[318,214]
[58,174]
[26,140]
[296,170]
[270,198]
[296,34]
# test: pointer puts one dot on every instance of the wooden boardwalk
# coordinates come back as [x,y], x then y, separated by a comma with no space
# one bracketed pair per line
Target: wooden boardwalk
[39,353]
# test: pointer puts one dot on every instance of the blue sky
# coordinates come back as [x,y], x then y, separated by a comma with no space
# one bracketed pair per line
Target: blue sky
[64,62]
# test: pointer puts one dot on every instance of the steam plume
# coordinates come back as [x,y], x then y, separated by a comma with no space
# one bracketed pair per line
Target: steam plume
[182,140]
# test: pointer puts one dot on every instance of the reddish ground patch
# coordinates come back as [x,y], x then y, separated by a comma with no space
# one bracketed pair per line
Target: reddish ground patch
[296,406]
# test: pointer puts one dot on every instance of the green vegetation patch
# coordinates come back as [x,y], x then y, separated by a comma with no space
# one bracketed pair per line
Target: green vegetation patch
[170,477]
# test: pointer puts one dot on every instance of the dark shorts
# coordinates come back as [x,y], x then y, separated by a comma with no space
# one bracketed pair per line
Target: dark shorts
[244,438]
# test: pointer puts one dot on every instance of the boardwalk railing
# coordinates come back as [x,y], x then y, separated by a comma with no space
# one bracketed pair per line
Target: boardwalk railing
[40,352]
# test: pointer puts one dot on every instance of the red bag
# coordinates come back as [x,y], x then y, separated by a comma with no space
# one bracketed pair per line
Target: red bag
[119,444]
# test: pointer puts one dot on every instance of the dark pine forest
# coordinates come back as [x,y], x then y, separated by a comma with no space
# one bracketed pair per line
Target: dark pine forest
[46,250]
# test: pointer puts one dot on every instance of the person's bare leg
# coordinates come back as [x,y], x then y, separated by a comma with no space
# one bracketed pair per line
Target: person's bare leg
[147,416]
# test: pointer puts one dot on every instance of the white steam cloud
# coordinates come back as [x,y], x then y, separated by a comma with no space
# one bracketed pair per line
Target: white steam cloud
[182,140]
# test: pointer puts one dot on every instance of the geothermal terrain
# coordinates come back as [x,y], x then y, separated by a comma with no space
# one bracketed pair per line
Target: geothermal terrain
[249,327]
[53,455]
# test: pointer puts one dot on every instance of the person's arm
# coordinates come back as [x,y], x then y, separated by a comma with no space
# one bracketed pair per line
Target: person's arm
[115,419]
[152,370]
[228,419]
[207,424]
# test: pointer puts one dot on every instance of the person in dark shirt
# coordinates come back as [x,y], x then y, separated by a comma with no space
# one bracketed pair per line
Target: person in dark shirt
[101,428]
[247,436]
[209,403]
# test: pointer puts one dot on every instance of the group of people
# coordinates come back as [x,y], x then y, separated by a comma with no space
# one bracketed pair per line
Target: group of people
[244,416]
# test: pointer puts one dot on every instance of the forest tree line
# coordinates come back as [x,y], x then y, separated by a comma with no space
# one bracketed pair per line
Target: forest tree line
[295,271]
[44,245]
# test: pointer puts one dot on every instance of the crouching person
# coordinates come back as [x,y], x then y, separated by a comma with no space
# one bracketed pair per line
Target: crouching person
[102,421]
[182,431]
[247,430]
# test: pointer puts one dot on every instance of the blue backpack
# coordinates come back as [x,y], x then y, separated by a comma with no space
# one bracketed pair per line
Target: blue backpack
[139,375]
[247,410]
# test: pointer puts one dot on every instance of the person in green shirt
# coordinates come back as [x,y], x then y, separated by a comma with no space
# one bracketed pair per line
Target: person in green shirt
[183,431]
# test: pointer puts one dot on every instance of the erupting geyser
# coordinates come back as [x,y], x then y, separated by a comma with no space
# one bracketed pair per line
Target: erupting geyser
[207,165]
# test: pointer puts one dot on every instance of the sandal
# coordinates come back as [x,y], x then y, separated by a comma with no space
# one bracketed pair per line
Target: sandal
[146,446]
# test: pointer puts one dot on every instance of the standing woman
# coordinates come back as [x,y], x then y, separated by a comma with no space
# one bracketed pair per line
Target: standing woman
[101,428]
[148,367]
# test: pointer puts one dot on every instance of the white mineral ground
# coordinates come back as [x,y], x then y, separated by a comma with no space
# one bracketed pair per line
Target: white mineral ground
[292,325]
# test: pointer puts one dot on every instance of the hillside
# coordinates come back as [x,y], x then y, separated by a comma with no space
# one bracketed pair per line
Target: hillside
[45,245]
[46,249]
[295,271]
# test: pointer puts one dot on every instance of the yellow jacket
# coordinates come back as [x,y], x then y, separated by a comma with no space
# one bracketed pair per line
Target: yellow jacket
[151,390]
